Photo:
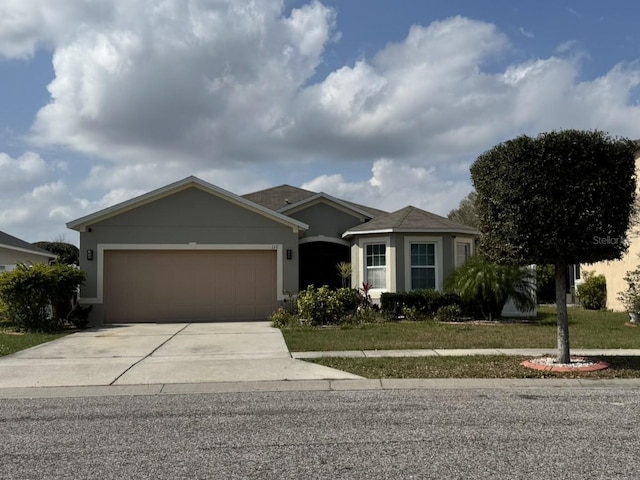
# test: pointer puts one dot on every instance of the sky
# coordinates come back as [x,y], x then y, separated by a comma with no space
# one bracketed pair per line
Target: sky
[382,103]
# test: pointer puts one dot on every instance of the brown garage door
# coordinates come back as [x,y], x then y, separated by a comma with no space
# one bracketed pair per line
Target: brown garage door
[175,286]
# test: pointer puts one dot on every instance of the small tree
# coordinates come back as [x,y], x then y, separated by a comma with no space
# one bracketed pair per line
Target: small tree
[630,297]
[559,198]
[490,285]
[466,213]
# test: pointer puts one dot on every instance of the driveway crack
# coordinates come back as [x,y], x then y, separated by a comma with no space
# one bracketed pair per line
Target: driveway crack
[149,354]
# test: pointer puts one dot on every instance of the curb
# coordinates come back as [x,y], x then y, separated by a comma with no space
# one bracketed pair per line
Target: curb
[312,385]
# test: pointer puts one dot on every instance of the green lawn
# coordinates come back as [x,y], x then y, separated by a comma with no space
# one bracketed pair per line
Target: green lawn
[494,366]
[12,341]
[588,329]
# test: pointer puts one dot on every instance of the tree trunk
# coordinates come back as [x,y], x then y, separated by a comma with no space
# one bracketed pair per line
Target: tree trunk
[563,319]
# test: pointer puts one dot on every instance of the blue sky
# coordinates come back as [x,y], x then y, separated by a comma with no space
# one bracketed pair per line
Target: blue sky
[383,103]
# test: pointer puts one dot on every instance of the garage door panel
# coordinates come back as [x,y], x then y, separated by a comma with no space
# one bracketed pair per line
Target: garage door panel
[166,286]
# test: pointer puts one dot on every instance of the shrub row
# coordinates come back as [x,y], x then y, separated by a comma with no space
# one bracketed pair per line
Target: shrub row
[425,303]
[346,306]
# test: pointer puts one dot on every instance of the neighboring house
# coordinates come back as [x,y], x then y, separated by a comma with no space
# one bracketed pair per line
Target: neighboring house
[14,251]
[615,270]
[193,251]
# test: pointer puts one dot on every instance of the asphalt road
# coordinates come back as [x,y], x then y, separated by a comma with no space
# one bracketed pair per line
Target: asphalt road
[398,434]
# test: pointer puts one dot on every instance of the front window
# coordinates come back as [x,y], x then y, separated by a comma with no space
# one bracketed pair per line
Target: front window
[376,262]
[423,266]
[463,251]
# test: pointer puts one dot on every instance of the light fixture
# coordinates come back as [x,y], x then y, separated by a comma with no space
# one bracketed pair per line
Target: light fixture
[89,254]
[289,254]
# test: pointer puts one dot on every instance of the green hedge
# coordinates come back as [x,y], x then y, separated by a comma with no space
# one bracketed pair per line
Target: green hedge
[425,302]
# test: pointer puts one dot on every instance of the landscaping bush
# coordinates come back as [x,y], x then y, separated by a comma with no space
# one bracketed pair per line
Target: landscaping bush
[449,313]
[323,306]
[282,318]
[592,292]
[38,297]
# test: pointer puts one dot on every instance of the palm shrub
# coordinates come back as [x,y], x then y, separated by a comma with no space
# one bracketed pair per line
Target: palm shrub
[592,292]
[344,271]
[490,285]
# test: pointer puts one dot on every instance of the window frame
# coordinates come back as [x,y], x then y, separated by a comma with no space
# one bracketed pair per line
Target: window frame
[389,260]
[368,268]
[422,267]
[408,266]
[461,242]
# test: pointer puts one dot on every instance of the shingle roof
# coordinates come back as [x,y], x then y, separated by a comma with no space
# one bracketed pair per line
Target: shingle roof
[10,241]
[276,198]
[412,219]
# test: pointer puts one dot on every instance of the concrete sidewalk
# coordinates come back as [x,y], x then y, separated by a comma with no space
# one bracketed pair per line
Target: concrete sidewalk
[526,352]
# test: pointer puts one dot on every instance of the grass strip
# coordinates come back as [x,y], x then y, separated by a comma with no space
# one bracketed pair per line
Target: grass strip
[476,366]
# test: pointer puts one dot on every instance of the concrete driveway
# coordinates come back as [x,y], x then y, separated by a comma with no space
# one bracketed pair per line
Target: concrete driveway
[144,354]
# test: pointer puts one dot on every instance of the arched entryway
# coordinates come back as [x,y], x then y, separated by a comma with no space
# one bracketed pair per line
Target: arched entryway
[318,260]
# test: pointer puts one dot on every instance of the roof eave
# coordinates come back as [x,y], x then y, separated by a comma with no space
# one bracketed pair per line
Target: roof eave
[27,250]
[378,231]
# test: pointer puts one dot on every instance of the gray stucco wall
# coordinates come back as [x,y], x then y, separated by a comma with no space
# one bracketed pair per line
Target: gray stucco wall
[188,216]
[324,219]
[397,242]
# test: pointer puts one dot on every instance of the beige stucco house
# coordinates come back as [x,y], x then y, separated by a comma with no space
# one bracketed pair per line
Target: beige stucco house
[192,251]
[14,251]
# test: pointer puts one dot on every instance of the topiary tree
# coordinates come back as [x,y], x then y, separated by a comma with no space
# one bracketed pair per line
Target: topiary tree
[560,198]
[490,285]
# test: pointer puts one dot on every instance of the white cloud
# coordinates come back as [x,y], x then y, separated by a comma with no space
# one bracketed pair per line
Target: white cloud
[219,85]
[394,185]
[41,212]
[26,25]
[26,169]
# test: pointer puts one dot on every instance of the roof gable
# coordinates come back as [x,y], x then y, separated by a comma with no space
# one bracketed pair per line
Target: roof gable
[190,182]
[283,197]
[410,219]
[322,197]
[14,243]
